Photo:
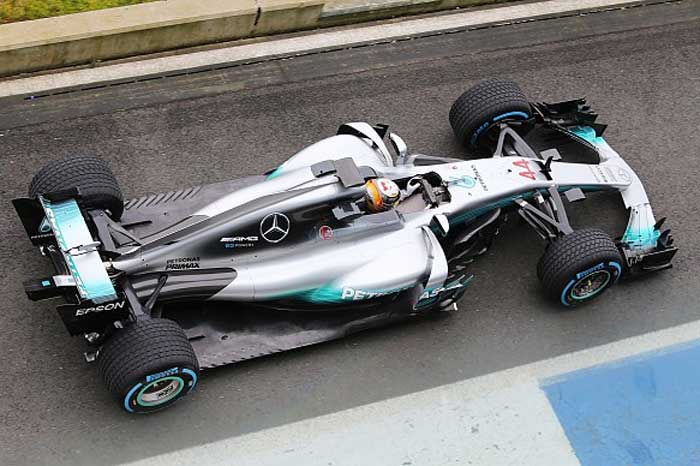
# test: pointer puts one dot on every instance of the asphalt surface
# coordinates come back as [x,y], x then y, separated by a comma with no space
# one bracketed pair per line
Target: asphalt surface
[643,79]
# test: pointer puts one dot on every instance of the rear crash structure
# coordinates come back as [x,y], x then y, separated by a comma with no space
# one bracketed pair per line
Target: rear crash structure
[346,235]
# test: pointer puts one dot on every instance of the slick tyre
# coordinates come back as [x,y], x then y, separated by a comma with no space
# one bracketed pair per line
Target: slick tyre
[579,267]
[475,112]
[91,175]
[148,365]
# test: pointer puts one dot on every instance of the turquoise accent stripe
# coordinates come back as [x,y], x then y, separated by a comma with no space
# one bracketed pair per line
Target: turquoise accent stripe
[98,289]
[330,294]
[70,230]
[275,173]
[640,237]
[462,182]
[321,295]
[587,133]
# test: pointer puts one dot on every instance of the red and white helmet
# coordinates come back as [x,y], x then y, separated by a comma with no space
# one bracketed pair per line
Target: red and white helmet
[381,194]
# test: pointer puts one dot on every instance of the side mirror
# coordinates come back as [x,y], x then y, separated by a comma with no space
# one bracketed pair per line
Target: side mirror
[399,146]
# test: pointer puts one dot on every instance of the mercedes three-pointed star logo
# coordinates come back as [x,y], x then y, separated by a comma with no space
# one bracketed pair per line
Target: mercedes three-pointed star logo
[274,227]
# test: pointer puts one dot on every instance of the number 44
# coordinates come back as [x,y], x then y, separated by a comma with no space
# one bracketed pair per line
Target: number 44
[528,173]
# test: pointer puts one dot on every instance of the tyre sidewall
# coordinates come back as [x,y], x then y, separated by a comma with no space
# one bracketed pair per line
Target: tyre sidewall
[144,352]
[568,260]
[482,141]
[609,265]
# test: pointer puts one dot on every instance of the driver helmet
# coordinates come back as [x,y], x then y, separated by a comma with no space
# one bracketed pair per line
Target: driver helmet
[381,194]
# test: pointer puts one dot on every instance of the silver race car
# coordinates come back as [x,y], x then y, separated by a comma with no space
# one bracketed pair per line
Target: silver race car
[352,232]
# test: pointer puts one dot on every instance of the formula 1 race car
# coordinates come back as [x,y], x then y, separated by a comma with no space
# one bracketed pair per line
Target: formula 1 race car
[341,237]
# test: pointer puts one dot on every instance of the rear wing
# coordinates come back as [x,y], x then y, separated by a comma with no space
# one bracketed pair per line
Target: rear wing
[56,221]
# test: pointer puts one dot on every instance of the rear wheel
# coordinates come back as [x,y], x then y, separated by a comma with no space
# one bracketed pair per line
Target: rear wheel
[479,109]
[91,175]
[148,365]
[579,267]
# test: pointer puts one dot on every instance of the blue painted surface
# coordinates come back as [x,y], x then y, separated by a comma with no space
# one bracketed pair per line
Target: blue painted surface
[194,378]
[472,140]
[511,114]
[641,411]
[128,397]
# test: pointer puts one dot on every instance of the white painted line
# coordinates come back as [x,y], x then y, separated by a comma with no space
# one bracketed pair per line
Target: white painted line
[497,419]
[494,430]
[301,44]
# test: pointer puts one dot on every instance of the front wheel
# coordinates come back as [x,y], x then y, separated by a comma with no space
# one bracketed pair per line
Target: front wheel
[481,108]
[579,267]
[148,365]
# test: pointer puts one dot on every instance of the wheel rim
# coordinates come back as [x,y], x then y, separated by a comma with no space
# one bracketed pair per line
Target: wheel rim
[160,391]
[590,285]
